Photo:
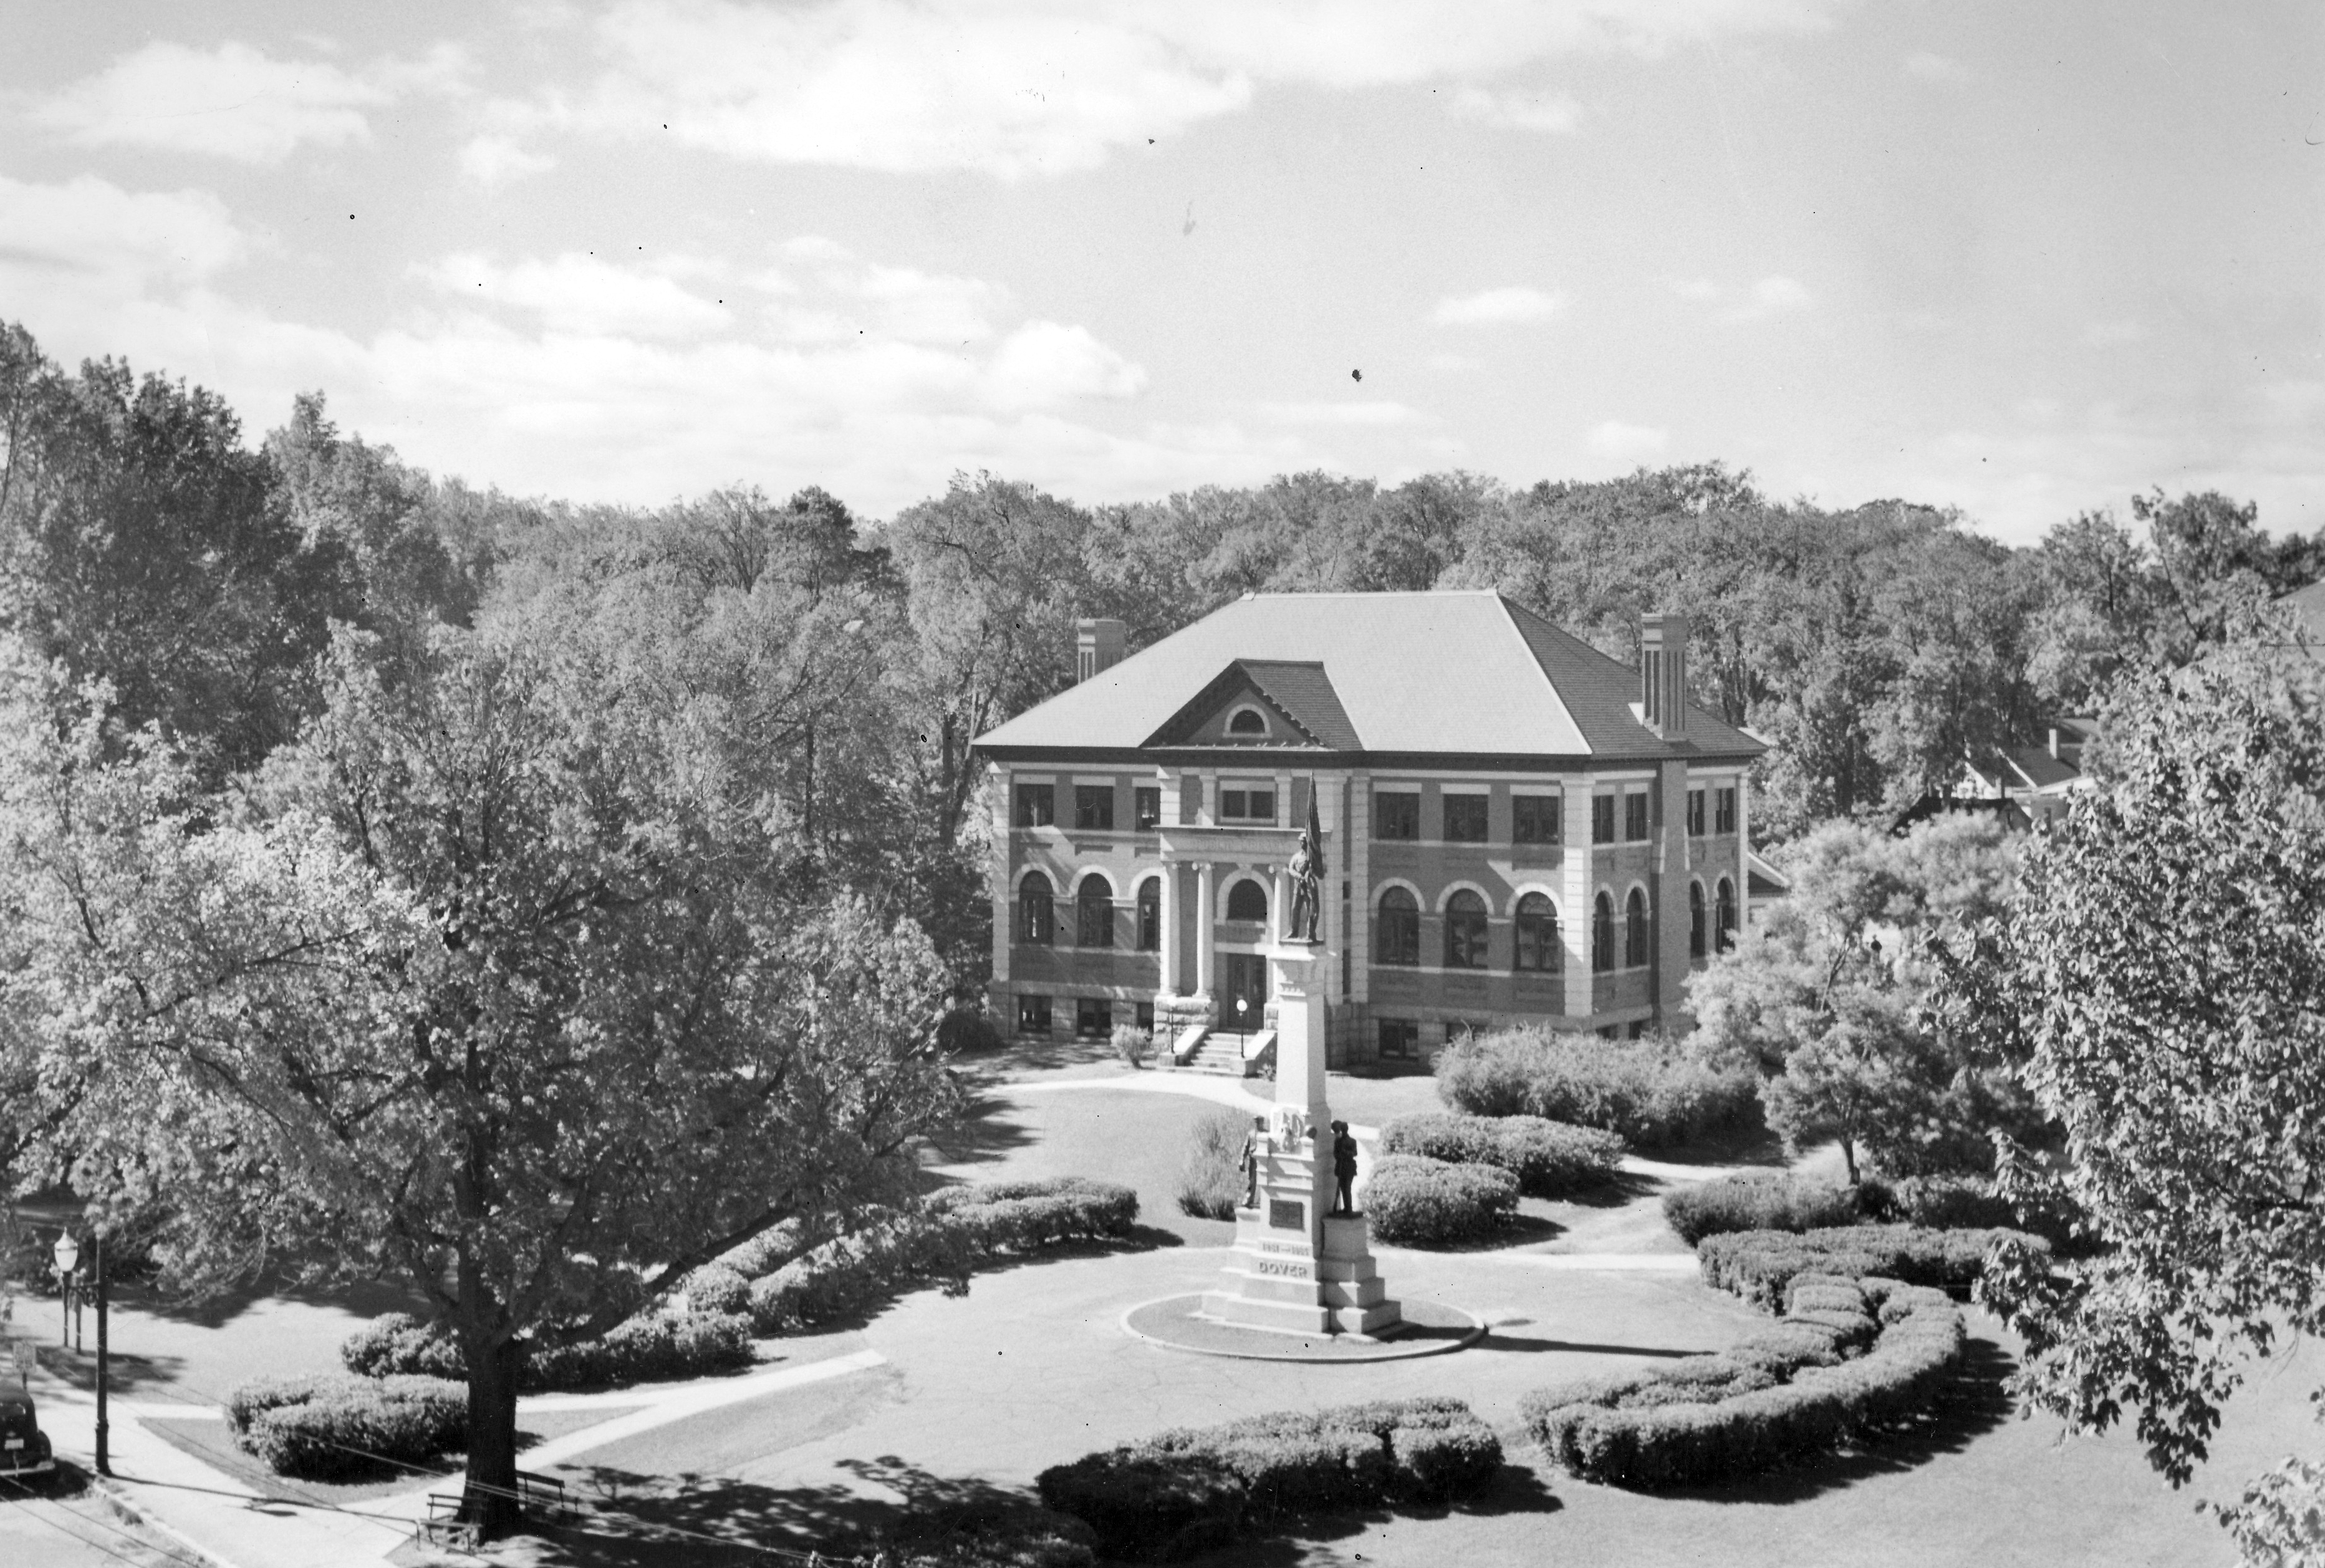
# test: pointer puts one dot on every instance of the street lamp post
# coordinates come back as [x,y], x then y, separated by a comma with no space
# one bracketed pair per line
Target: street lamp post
[68,1254]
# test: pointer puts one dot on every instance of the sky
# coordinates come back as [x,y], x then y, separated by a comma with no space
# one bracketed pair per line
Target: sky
[2021,260]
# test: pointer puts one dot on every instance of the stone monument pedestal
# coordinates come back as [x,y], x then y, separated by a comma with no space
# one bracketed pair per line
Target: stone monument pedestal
[1299,1268]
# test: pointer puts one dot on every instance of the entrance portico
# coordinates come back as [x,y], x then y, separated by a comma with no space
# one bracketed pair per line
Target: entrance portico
[1218,857]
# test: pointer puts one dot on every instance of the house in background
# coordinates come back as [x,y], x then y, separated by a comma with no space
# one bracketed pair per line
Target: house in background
[1515,827]
[2026,786]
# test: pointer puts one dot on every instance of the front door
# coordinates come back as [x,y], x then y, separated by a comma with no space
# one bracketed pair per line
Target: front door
[1243,997]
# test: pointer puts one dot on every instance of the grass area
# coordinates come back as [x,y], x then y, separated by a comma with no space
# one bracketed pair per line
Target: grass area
[210,1441]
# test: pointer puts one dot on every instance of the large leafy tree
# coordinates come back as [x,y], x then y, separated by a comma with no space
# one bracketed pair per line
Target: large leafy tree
[2161,986]
[487,982]
[1831,997]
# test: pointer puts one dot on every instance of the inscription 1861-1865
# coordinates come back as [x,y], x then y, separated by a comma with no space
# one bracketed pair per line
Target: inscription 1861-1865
[1287,1214]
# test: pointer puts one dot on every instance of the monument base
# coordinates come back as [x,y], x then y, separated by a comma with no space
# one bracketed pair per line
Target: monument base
[1298,1269]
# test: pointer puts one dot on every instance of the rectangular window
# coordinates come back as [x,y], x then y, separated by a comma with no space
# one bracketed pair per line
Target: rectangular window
[1727,811]
[1145,1016]
[1146,807]
[1465,819]
[1533,819]
[1037,805]
[1247,806]
[1602,819]
[1397,815]
[1695,814]
[1635,818]
[1093,1018]
[1400,1040]
[1033,1014]
[1094,807]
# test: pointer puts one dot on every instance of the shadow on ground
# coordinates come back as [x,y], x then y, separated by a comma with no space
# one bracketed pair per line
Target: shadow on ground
[1519,1488]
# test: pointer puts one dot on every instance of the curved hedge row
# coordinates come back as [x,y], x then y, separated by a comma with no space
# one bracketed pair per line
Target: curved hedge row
[1773,1201]
[1851,1360]
[1652,1093]
[1188,1491]
[651,1349]
[1549,1158]
[1413,1200]
[1757,1265]
[333,1426]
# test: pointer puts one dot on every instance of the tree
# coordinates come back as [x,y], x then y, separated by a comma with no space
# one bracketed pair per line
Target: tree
[487,982]
[2160,987]
[1831,997]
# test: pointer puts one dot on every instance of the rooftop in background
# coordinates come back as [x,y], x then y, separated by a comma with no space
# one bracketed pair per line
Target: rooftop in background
[1403,674]
[2308,604]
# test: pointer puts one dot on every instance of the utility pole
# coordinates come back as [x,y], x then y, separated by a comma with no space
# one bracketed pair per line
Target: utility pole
[103,1459]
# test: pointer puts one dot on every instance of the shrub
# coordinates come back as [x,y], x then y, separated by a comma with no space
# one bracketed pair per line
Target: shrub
[717,1289]
[1001,1533]
[1652,1094]
[1549,1159]
[1133,1043]
[1710,1418]
[771,1248]
[1187,1490]
[967,1029]
[1756,1202]
[1758,1265]
[1413,1199]
[654,1347]
[1211,1178]
[328,1428]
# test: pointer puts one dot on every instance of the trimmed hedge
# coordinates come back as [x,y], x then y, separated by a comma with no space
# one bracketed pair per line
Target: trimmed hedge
[1549,1159]
[1706,1419]
[717,1289]
[1776,1201]
[645,1350]
[1652,1094]
[1757,1265]
[331,1427]
[1188,1490]
[1414,1201]
[952,1232]
[771,1248]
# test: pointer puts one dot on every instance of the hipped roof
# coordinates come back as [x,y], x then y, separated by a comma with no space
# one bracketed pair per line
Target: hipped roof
[1408,674]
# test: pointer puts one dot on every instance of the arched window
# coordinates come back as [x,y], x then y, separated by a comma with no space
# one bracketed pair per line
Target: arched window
[1727,915]
[1635,929]
[1398,932]
[1602,934]
[1698,918]
[1150,916]
[1037,911]
[1094,913]
[1246,721]
[1465,932]
[1539,946]
[1247,900]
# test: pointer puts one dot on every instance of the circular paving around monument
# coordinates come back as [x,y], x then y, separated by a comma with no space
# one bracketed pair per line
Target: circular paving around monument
[1430,1329]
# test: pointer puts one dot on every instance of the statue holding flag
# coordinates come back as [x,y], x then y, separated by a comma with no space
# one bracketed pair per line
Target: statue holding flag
[1307,879]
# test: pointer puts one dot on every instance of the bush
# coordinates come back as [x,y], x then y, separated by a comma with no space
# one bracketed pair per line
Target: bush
[1188,1491]
[1710,1418]
[331,1427]
[1414,1200]
[1001,1533]
[1211,1178]
[650,1349]
[1133,1043]
[967,1029]
[1756,1202]
[1652,1094]
[1758,1265]
[771,1248]
[1549,1159]
[717,1289]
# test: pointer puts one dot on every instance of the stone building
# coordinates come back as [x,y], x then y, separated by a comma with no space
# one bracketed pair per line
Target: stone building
[1515,826]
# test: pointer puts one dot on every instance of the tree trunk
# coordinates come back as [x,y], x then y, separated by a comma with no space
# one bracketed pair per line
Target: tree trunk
[1847,1156]
[489,1500]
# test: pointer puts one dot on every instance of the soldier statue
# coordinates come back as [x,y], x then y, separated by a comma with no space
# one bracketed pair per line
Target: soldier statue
[1307,879]
[1344,1167]
[1253,1142]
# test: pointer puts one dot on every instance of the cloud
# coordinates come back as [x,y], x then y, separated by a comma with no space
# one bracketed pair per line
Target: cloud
[233,101]
[491,160]
[1627,443]
[1552,113]
[2113,334]
[91,232]
[1770,296]
[1497,307]
[1376,416]
[1936,68]
[581,294]
[1019,87]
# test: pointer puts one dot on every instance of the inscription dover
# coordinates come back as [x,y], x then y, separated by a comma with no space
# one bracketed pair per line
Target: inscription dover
[1288,1270]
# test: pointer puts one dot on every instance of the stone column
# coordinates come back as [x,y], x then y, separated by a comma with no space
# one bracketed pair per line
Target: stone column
[1206,929]
[1577,859]
[1005,863]
[1170,928]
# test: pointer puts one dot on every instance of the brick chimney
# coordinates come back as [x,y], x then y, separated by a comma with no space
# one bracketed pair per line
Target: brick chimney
[1097,645]
[1662,672]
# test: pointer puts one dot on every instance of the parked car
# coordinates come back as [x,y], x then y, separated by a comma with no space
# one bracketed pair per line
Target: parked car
[25,1450]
